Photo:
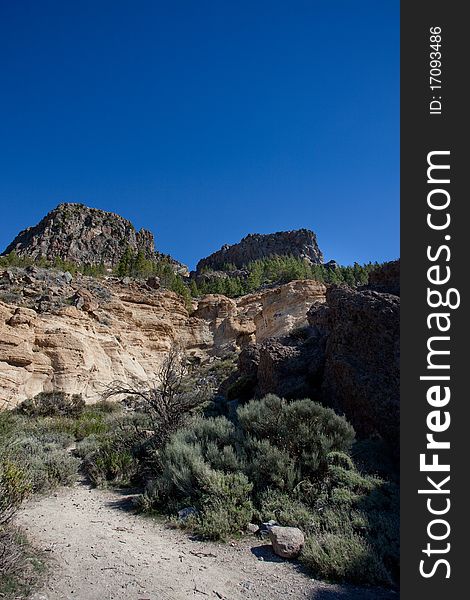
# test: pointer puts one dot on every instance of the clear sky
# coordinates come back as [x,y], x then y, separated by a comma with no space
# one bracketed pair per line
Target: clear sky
[205,120]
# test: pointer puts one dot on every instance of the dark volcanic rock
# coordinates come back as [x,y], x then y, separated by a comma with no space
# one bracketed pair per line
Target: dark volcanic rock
[362,370]
[82,235]
[301,243]
[386,278]
[291,367]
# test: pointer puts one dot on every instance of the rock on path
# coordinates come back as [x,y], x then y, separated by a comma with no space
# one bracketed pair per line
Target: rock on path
[101,551]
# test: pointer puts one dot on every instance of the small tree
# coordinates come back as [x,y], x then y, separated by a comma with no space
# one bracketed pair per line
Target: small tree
[170,398]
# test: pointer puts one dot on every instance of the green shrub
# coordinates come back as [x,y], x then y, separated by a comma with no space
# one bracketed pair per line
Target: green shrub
[225,505]
[21,566]
[286,461]
[110,464]
[286,510]
[47,464]
[14,488]
[269,467]
[52,404]
[305,430]
[61,468]
[342,557]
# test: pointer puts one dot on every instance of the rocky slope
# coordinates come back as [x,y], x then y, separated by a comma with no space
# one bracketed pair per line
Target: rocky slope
[82,235]
[300,243]
[75,334]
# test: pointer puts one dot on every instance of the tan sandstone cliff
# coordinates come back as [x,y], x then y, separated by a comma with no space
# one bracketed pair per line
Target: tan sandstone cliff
[79,338]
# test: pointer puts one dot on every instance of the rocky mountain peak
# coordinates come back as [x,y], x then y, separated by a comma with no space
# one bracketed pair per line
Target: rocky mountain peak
[76,233]
[300,243]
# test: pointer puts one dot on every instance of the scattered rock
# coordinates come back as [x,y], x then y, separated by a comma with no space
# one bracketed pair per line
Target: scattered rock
[252,528]
[154,282]
[185,513]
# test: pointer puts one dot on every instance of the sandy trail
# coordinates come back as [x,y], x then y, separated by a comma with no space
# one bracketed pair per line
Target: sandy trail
[101,551]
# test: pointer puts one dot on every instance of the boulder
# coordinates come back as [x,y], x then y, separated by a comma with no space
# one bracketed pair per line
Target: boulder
[287,541]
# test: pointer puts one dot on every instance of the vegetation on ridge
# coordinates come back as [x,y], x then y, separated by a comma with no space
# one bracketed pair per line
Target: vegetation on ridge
[229,281]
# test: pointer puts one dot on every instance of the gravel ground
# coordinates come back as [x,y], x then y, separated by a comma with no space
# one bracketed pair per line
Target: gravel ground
[100,550]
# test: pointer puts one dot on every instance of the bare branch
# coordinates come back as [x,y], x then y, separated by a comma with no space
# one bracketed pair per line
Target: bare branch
[170,398]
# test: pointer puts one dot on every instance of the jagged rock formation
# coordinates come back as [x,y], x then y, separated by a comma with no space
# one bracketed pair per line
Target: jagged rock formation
[82,235]
[76,334]
[300,243]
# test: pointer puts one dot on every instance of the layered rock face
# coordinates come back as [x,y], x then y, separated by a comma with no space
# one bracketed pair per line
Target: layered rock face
[254,318]
[300,243]
[77,334]
[82,235]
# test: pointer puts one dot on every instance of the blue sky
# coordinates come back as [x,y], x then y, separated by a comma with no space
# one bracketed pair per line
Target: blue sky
[205,120]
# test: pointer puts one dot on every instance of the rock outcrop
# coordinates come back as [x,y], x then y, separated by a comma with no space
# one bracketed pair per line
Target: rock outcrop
[253,318]
[86,334]
[300,243]
[361,374]
[81,235]
[76,334]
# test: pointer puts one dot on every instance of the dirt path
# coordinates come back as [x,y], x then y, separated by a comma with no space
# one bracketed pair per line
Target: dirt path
[101,551]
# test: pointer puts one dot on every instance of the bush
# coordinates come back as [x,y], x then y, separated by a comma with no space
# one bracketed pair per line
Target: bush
[305,430]
[342,557]
[189,459]
[46,464]
[110,462]
[20,565]
[226,506]
[52,404]
[269,467]
[14,488]
[286,510]
[287,461]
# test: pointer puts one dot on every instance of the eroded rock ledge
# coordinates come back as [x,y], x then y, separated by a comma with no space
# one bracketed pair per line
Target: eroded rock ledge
[76,334]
